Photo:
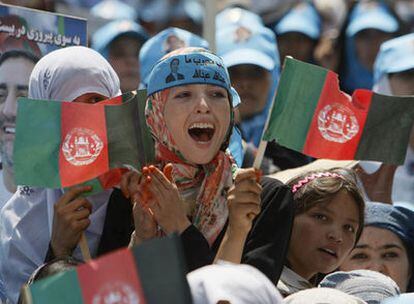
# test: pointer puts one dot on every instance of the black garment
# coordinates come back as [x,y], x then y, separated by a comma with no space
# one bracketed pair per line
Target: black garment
[119,223]
[266,244]
[285,158]
[268,241]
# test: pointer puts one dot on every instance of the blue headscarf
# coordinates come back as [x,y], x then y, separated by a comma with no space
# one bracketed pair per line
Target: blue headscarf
[159,45]
[104,36]
[398,220]
[191,68]
[258,47]
[363,16]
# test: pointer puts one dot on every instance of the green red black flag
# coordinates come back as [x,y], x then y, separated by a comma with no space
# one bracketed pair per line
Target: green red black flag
[61,144]
[153,272]
[311,115]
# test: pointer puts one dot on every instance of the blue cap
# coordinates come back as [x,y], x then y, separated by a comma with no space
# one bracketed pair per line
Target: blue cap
[239,16]
[398,220]
[152,10]
[395,55]
[187,9]
[112,30]
[303,18]
[162,43]
[247,45]
[113,9]
[371,15]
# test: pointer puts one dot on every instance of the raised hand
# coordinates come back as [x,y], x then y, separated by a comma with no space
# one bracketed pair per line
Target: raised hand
[167,205]
[243,200]
[70,220]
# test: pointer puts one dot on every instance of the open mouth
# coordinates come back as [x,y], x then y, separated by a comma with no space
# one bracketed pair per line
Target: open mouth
[201,131]
[9,130]
[329,251]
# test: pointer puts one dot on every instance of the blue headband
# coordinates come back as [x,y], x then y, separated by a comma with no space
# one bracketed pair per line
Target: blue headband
[192,68]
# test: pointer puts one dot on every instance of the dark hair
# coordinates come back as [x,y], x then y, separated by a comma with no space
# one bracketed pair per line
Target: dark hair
[322,189]
[48,269]
[18,54]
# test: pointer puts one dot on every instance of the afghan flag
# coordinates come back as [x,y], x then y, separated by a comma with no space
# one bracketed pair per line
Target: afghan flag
[61,144]
[153,272]
[311,115]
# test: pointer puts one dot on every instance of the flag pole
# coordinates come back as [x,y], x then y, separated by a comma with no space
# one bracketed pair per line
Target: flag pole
[263,144]
[84,247]
[209,24]
[26,294]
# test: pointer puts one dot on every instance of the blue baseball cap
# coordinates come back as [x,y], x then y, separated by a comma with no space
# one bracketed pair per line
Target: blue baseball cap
[239,16]
[395,55]
[112,30]
[371,15]
[238,44]
[152,10]
[303,18]
[187,9]
[162,43]
[113,9]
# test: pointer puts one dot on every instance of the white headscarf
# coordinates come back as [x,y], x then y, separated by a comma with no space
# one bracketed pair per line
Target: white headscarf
[322,295]
[234,283]
[26,219]
[70,72]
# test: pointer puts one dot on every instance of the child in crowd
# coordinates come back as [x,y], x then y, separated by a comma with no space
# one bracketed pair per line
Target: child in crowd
[329,217]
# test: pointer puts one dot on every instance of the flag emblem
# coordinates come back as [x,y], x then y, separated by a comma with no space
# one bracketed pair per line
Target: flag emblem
[116,293]
[337,123]
[81,146]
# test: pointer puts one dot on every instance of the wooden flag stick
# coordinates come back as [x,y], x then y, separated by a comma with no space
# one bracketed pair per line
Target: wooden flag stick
[84,247]
[26,294]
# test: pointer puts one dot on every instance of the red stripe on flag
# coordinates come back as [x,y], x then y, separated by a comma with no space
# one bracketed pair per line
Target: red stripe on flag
[112,178]
[338,122]
[113,101]
[111,279]
[83,153]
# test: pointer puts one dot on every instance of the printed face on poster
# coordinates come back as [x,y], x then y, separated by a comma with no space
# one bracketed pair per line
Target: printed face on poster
[25,36]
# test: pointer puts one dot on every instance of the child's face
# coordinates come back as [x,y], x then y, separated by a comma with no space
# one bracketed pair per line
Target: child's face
[323,236]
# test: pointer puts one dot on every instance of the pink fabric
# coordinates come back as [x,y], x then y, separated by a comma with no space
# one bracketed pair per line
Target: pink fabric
[311,177]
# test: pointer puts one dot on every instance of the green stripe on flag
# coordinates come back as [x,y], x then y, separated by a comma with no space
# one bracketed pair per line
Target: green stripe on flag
[129,139]
[37,143]
[62,288]
[122,141]
[149,152]
[162,270]
[301,84]
[387,129]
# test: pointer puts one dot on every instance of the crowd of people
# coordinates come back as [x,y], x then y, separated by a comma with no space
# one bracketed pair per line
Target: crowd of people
[295,230]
